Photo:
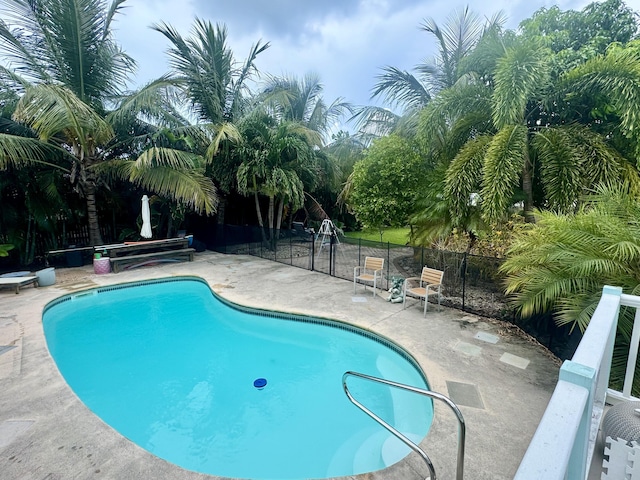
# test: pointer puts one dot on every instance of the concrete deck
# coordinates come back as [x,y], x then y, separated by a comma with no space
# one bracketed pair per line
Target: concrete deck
[500,379]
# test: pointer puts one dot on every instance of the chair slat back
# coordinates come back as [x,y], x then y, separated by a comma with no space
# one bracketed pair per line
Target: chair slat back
[373,263]
[431,276]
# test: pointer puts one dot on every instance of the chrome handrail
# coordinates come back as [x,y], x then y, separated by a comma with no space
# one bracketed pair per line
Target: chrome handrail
[409,443]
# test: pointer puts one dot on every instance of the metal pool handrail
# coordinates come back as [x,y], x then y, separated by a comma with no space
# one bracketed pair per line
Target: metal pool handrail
[409,443]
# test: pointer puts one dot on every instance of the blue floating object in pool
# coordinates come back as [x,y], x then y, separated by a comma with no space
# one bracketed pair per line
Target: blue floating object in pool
[260,383]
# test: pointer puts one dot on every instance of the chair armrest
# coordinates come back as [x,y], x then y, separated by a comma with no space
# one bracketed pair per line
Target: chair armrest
[406,282]
[357,269]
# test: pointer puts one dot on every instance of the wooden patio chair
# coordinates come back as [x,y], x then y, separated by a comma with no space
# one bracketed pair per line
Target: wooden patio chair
[370,272]
[428,283]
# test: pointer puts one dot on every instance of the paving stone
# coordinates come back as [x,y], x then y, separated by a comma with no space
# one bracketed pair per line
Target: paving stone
[6,348]
[486,337]
[468,349]
[11,429]
[514,360]
[465,394]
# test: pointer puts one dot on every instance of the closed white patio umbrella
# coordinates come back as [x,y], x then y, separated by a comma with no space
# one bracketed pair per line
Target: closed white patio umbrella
[146,218]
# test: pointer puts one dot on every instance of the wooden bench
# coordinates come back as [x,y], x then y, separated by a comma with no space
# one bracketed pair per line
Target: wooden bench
[134,248]
[142,259]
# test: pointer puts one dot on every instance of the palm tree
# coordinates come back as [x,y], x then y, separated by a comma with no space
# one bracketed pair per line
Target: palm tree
[294,100]
[67,70]
[410,92]
[204,68]
[531,120]
[274,158]
[215,85]
[290,100]
[560,264]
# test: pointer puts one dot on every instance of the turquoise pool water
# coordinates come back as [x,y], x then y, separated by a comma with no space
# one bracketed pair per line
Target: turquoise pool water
[172,367]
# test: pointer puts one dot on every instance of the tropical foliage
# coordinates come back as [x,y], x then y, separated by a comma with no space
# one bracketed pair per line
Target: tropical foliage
[542,146]
[384,184]
[410,92]
[272,158]
[67,70]
[561,263]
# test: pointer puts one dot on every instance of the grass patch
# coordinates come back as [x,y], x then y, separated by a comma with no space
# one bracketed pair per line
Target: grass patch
[399,236]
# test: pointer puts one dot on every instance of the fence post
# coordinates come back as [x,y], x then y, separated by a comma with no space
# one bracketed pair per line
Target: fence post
[331,273]
[290,249]
[359,248]
[313,251]
[464,278]
[388,263]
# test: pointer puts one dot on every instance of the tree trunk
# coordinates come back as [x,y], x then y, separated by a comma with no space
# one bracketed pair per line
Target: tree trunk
[270,215]
[170,224]
[222,205]
[89,188]
[527,187]
[258,211]
[280,210]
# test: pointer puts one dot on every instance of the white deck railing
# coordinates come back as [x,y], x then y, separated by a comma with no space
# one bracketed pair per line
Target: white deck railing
[564,442]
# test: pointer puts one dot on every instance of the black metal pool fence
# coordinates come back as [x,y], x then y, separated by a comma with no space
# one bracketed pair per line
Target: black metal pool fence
[471,283]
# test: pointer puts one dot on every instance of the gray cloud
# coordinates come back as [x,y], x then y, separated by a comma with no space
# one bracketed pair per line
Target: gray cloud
[287,18]
[345,41]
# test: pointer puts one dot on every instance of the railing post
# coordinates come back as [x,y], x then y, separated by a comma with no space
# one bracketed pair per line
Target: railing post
[633,355]
[585,377]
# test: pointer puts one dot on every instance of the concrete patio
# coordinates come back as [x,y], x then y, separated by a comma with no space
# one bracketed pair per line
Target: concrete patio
[500,378]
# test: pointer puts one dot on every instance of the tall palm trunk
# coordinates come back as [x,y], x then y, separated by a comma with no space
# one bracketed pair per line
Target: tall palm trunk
[95,238]
[258,210]
[87,182]
[270,216]
[280,211]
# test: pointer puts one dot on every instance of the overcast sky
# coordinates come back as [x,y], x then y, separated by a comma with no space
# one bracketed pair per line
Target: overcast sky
[346,42]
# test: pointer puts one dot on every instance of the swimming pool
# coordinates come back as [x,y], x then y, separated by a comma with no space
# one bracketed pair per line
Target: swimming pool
[173,367]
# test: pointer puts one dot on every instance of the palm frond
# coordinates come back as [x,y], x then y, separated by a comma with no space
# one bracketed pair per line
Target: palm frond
[166,157]
[617,76]
[502,168]
[461,100]
[153,102]
[54,110]
[562,261]
[463,177]
[316,209]
[16,151]
[186,186]
[400,88]
[519,74]
[561,168]
[224,132]
[374,120]
[17,47]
